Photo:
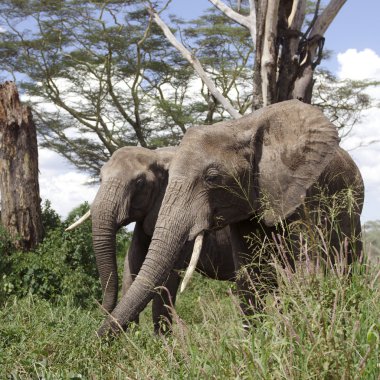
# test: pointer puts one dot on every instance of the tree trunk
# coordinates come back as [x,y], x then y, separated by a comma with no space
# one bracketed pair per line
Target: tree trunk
[19,188]
[285,56]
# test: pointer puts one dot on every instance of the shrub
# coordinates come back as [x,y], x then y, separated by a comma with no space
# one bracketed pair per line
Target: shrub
[6,244]
[50,218]
[62,265]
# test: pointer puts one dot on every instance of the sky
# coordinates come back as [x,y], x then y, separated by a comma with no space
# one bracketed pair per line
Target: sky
[353,38]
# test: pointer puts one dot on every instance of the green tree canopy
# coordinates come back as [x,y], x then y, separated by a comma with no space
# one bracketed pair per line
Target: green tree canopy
[101,74]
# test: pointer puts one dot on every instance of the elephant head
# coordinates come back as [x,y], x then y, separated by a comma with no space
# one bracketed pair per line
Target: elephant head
[261,166]
[133,183]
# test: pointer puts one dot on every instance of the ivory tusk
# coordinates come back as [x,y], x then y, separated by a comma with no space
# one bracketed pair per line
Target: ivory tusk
[79,221]
[193,261]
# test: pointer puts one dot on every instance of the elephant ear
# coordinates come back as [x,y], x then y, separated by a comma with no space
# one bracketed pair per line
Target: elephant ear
[293,145]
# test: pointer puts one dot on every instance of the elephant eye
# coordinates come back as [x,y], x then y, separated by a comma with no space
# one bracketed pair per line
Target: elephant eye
[140,182]
[212,176]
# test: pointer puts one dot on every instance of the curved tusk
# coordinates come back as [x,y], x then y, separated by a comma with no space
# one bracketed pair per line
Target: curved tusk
[79,221]
[193,261]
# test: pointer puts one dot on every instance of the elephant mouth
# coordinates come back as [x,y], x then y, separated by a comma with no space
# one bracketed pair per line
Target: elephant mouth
[215,222]
[218,222]
[224,216]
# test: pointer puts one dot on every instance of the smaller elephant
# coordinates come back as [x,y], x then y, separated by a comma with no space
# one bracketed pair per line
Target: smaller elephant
[133,184]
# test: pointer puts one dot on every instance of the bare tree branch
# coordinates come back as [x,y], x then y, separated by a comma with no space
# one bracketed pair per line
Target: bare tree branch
[269,55]
[229,12]
[248,22]
[293,12]
[326,18]
[252,16]
[195,63]
[297,14]
[312,49]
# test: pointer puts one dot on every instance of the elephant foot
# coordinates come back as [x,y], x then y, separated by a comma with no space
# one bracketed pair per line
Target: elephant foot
[110,329]
[162,329]
[163,326]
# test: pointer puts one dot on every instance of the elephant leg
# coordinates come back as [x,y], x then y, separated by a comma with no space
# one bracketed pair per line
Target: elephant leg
[254,276]
[127,273]
[345,239]
[135,257]
[164,300]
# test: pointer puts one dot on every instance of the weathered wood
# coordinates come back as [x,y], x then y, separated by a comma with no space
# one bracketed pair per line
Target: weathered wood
[261,10]
[193,60]
[312,51]
[229,12]
[268,68]
[285,55]
[291,17]
[19,188]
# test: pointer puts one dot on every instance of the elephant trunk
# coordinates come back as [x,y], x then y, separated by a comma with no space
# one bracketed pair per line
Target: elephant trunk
[104,228]
[170,234]
[104,243]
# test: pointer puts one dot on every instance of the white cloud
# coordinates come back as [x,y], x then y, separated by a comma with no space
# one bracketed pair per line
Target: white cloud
[62,185]
[359,65]
[364,140]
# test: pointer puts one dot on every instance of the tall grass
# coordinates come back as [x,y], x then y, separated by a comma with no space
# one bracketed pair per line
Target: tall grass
[321,322]
[314,327]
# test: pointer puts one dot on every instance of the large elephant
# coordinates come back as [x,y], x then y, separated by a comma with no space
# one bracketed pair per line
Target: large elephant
[133,184]
[255,174]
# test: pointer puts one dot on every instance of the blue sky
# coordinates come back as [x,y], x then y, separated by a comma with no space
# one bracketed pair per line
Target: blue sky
[354,39]
[356,25]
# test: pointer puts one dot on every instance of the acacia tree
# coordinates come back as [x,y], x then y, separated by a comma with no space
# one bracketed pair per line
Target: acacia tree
[101,74]
[92,71]
[287,39]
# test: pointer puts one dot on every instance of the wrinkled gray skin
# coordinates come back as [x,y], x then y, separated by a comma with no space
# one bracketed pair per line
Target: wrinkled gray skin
[250,174]
[133,184]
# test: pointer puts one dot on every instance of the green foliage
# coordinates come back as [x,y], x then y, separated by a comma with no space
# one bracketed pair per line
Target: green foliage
[63,265]
[371,232]
[50,218]
[322,328]
[105,55]
[112,78]
[6,244]
[317,324]
[342,101]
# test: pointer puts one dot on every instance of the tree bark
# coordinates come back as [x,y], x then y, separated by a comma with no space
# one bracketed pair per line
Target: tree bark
[19,188]
[269,53]
[312,51]
[285,56]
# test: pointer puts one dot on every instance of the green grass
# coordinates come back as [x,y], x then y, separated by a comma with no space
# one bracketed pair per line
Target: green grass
[314,327]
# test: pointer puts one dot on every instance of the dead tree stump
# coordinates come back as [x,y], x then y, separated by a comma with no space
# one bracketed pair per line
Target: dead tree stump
[19,188]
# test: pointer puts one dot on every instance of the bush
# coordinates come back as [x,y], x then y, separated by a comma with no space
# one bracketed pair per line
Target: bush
[321,328]
[62,265]
[6,244]
[50,218]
